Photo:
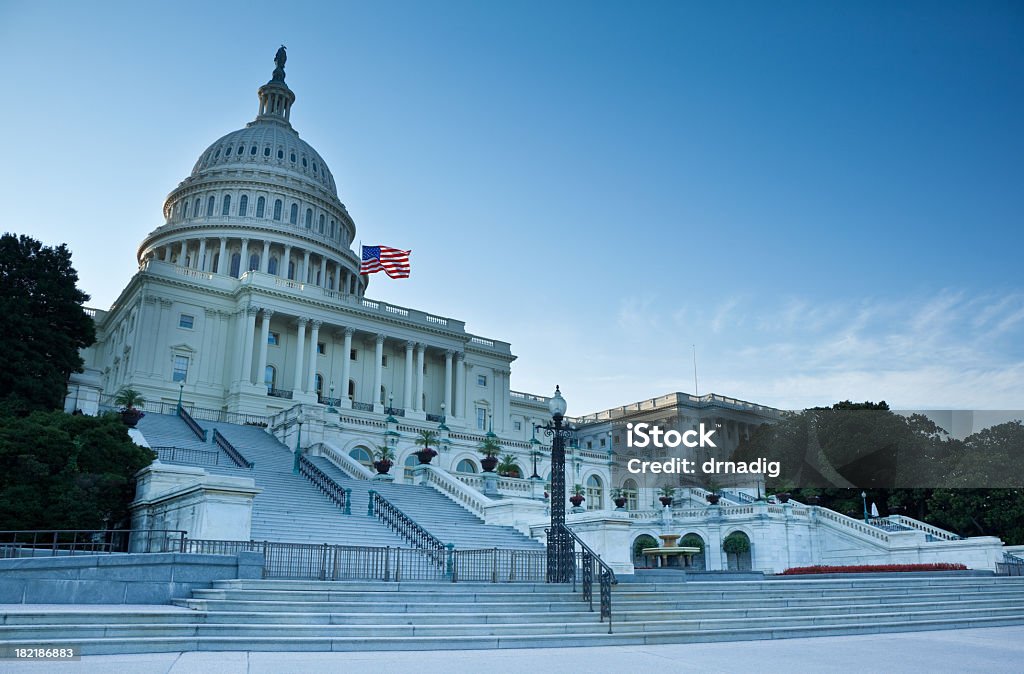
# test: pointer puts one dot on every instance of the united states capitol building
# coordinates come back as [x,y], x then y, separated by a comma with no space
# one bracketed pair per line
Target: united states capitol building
[248,308]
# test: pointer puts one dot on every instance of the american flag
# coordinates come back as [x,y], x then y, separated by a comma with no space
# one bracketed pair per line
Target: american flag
[392,261]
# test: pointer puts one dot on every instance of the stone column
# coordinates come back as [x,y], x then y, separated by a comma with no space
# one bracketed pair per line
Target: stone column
[265,258]
[183,253]
[285,261]
[346,364]
[448,380]
[460,385]
[408,376]
[168,251]
[313,338]
[243,262]
[337,277]
[264,338]
[249,332]
[200,262]
[300,345]
[222,260]
[420,351]
[323,272]
[378,374]
[305,267]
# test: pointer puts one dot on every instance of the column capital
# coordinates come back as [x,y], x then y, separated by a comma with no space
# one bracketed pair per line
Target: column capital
[380,339]
[245,240]
[421,347]
[315,324]
[460,356]
[301,321]
[449,353]
[267,314]
[410,345]
[252,310]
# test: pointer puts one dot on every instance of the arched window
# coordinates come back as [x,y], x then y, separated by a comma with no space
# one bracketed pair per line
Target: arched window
[252,151]
[293,157]
[595,493]
[184,211]
[309,218]
[332,228]
[236,261]
[321,223]
[209,206]
[351,389]
[195,208]
[227,152]
[629,490]
[280,154]
[225,208]
[411,462]
[266,151]
[318,380]
[216,263]
[291,270]
[261,204]
[277,209]
[272,266]
[293,215]
[243,205]
[383,395]
[254,262]
[466,466]
[270,377]
[362,455]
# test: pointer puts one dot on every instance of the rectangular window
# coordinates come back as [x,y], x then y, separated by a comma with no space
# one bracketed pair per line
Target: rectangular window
[481,380]
[602,442]
[384,360]
[186,321]
[481,418]
[590,445]
[180,368]
[274,338]
[321,348]
[352,354]
[517,425]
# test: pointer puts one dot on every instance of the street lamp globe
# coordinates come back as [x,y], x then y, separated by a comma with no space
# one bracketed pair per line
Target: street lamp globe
[556,404]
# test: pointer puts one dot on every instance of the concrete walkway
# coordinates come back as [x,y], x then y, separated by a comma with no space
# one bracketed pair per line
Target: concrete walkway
[990,650]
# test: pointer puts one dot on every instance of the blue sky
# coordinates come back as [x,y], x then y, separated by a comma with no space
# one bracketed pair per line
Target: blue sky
[825,198]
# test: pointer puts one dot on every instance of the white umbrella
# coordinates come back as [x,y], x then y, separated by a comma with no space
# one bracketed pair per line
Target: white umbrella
[874,510]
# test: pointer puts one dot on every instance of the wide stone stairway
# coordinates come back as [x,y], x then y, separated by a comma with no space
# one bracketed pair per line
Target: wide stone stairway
[282,615]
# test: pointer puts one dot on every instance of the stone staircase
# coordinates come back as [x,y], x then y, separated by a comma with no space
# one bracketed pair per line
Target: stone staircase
[279,615]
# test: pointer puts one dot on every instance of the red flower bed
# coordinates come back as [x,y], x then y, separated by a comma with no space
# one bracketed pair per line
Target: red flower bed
[872,568]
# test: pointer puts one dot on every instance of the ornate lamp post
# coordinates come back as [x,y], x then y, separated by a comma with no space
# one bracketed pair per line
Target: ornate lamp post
[560,551]
[181,390]
[534,452]
[864,498]
[298,449]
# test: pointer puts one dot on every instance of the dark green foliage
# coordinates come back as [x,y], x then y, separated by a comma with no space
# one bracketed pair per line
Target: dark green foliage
[43,324]
[59,471]
[736,544]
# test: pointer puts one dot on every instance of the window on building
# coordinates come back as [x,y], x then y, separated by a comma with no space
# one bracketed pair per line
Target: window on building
[266,151]
[481,418]
[270,377]
[466,466]
[321,223]
[225,208]
[227,152]
[186,321]
[517,425]
[293,214]
[602,442]
[274,338]
[261,204]
[383,395]
[195,208]
[384,360]
[351,389]
[353,354]
[243,205]
[236,263]
[318,380]
[362,455]
[309,218]
[630,491]
[254,262]
[180,369]
[252,151]
[184,211]
[291,270]
[595,493]
[321,348]
[293,156]
[481,380]
[278,205]
[272,266]
[590,444]
[209,206]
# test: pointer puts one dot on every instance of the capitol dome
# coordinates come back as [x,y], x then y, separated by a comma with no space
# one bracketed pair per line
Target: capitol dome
[261,183]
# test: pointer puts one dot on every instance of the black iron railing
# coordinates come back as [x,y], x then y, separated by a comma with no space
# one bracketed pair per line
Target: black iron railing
[203,413]
[435,417]
[327,400]
[407,528]
[395,411]
[364,407]
[498,566]
[14,544]
[230,450]
[196,457]
[589,564]
[279,393]
[325,483]
[1012,565]
[192,424]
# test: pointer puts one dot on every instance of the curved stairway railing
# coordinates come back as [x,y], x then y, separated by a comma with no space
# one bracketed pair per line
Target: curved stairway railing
[230,450]
[408,528]
[606,577]
[341,496]
[346,463]
[191,423]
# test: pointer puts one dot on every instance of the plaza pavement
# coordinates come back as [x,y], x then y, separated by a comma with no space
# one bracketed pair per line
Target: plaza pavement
[991,650]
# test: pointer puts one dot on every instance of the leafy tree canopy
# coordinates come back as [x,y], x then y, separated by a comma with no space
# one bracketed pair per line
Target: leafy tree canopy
[44,324]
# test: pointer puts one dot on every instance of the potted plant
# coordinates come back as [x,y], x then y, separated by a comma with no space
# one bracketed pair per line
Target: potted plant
[508,467]
[384,458]
[666,494]
[126,400]
[577,497]
[424,441]
[490,450]
[619,498]
[713,497]
[783,497]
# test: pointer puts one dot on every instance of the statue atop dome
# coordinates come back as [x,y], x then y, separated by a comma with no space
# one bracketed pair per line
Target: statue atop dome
[279,60]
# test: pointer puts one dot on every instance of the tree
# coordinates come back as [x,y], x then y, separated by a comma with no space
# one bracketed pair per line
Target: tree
[43,326]
[62,471]
[508,467]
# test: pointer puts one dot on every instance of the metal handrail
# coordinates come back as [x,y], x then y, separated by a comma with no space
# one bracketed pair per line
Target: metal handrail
[201,457]
[606,577]
[15,544]
[191,423]
[230,450]
[326,484]
[407,528]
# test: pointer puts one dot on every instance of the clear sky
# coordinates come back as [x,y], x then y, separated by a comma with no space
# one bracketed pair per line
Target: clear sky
[826,198]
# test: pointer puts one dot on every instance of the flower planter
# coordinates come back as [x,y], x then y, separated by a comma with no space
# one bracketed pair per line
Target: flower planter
[425,456]
[576,501]
[666,501]
[489,463]
[382,467]
[619,502]
[130,417]
[783,497]
[713,499]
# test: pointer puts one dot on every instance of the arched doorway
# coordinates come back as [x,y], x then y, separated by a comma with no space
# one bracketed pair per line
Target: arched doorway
[737,551]
[694,540]
[639,543]
[411,462]
[363,456]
